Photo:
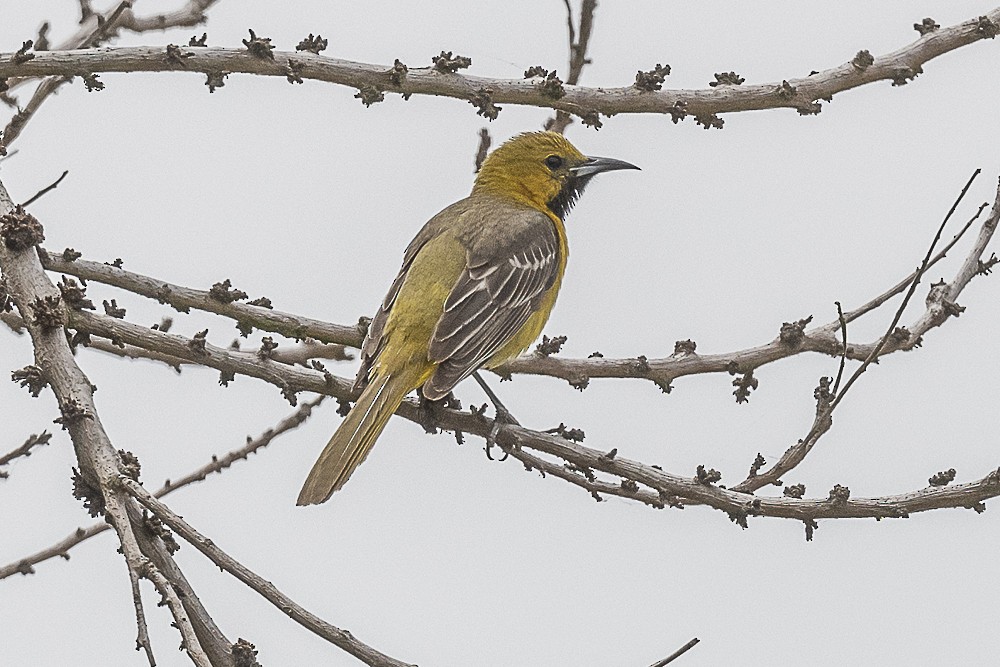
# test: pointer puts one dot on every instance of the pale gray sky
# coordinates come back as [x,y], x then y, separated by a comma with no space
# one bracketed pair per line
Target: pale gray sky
[432,553]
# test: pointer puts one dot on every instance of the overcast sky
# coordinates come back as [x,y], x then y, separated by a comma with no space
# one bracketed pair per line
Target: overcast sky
[432,553]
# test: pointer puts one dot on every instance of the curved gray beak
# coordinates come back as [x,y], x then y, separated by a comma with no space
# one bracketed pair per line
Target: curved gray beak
[596,165]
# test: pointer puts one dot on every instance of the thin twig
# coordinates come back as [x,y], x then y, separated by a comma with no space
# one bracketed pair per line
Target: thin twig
[843,338]
[96,29]
[676,654]
[60,549]
[21,118]
[905,282]
[595,487]
[142,638]
[107,26]
[569,24]
[38,195]
[191,14]
[577,56]
[218,464]
[33,440]
[906,299]
[139,565]
[578,47]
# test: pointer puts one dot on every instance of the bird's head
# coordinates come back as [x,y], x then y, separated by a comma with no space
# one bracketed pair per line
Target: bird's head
[542,169]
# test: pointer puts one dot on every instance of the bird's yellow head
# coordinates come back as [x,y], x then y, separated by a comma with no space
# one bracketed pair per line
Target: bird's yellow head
[542,169]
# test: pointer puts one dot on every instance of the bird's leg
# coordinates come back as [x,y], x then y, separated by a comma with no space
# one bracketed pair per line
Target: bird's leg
[503,416]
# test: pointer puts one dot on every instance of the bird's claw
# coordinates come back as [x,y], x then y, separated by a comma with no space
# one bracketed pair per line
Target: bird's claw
[503,418]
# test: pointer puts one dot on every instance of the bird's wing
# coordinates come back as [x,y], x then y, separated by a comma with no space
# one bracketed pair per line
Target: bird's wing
[502,285]
[373,339]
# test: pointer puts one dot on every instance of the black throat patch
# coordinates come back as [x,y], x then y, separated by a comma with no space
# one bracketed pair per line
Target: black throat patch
[571,191]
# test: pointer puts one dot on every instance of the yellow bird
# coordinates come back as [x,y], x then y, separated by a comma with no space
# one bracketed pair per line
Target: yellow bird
[476,287]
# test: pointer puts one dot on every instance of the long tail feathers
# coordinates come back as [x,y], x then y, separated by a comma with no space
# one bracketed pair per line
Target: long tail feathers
[354,439]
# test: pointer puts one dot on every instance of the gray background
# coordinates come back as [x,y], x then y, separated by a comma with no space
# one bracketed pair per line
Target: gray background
[432,553]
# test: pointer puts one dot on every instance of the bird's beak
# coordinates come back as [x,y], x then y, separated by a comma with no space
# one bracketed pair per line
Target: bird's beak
[596,165]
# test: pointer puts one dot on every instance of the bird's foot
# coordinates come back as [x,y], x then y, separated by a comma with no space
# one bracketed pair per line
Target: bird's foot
[502,418]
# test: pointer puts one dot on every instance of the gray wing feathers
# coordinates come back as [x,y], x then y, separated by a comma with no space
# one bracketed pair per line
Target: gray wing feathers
[491,301]
[508,271]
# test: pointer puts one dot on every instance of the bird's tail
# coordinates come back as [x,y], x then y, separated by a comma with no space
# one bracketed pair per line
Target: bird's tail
[354,439]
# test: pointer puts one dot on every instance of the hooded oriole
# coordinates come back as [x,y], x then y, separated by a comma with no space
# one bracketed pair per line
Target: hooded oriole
[476,287]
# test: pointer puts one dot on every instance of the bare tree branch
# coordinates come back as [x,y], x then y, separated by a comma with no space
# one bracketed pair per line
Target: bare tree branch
[577,55]
[60,549]
[685,361]
[802,94]
[676,654]
[252,446]
[40,306]
[940,305]
[673,487]
[905,282]
[578,372]
[909,293]
[340,638]
[580,41]
[669,486]
[298,353]
[106,26]
[183,299]
[48,188]
[13,322]
[196,350]
[142,639]
[216,465]
[95,29]
[191,14]
[33,440]
[692,490]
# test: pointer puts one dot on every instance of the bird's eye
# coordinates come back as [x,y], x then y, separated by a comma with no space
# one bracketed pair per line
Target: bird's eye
[553,162]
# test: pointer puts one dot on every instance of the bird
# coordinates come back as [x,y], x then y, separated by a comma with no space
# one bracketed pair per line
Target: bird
[476,286]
